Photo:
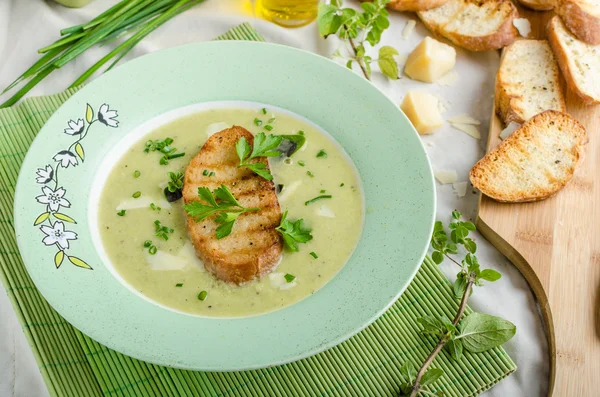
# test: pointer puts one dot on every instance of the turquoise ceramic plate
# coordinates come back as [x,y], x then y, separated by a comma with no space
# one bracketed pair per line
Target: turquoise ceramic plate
[396,176]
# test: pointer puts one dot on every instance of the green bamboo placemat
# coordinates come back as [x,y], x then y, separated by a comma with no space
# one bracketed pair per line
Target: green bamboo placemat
[366,365]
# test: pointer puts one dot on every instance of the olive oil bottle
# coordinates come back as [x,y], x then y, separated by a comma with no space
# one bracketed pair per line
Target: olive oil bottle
[288,13]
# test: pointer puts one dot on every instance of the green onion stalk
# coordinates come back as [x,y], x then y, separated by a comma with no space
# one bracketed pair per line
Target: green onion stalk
[132,20]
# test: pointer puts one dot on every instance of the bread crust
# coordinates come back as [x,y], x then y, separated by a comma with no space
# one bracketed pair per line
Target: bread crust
[527,132]
[580,21]
[506,106]
[415,5]
[562,58]
[254,247]
[538,5]
[505,35]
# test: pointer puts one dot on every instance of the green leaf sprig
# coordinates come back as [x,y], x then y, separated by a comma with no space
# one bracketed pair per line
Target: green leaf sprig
[175,181]
[264,146]
[293,232]
[223,204]
[356,29]
[476,332]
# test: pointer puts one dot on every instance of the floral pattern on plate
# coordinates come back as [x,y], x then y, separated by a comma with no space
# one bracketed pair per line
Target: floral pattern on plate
[53,221]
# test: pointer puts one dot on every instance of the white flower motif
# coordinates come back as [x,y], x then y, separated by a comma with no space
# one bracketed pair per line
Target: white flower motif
[108,117]
[44,175]
[65,158]
[58,234]
[54,198]
[75,127]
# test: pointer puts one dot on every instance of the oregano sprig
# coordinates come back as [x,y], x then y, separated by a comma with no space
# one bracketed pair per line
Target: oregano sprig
[474,333]
[356,29]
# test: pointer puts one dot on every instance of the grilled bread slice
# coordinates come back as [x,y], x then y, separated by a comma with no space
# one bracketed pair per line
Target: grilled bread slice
[579,61]
[538,5]
[415,5]
[582,17]
[254,247]
[535,162]
[528,82]
[477,25]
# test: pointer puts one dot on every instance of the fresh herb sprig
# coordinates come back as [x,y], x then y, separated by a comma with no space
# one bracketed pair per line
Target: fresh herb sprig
[135,17]
[293,232]
[223,204]
[355,29]
[264,146]
[476,332]
[164,147]
[175,181]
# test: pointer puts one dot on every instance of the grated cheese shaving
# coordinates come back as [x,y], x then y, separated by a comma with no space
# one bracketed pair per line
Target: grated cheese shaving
[510,128]
[468,129]
[523,26]
[449,79]
[445,177]
[460,188]
[408,28]
[464,119]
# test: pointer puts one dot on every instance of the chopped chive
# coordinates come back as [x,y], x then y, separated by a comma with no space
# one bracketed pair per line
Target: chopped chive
[205,172]
[121,213]
[300,132]
[179,285]
[322,154]
[152,250]
[314,255]
[202,295]
[310,174]
[342,184]
[136,194]
[258,122]
[147,244]
[174,156]
[211,174]
[322,191]
[136,174]
[324,196]
[271,120]
[288,160]
[268,127]
[264,110]
[301,163]
[289,278]
[153,206]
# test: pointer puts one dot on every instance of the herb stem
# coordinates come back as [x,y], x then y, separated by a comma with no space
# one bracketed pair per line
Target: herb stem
[324,196]
[359,60]
[453,260]
[443,340]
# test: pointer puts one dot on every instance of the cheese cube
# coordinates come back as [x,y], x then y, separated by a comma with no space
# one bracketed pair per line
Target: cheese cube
[430,60]
[422,110]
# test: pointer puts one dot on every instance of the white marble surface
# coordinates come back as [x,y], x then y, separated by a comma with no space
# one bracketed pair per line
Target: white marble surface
[26,25]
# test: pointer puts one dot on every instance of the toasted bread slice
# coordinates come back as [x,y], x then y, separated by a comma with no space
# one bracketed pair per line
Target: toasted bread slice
[538,5]
[528,82]
[254,246]
[582,17]
[535,162]
[477,25]
[579,61]
[415,5]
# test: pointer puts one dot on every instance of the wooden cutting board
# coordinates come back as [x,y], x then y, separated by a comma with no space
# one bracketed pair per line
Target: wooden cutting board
[555,243]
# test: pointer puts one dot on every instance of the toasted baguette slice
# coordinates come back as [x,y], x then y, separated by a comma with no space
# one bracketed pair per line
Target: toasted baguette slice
[254,246]
[582,17]
[528,82]
[579,61]
[538,5]
[535,162]
[477,25]
[415,5]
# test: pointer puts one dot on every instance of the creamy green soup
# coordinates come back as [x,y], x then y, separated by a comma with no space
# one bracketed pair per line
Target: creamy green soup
[173,276]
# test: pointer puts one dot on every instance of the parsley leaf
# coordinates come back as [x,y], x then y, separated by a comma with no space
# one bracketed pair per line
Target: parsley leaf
[293,232]
[220,202]
[176,182]
[264,146]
